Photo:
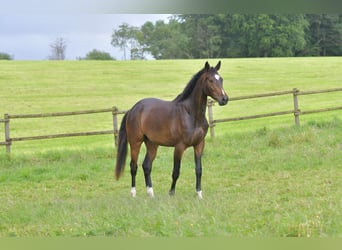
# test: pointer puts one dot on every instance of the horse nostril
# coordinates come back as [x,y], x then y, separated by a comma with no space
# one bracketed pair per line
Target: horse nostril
[223,101]
[224,98]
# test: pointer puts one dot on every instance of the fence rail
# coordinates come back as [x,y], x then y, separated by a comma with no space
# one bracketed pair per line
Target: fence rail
[7,117]
[212,122]
[83,112]
[296,111]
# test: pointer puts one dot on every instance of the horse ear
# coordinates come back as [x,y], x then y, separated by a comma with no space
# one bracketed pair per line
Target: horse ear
[218,66]
[206,66]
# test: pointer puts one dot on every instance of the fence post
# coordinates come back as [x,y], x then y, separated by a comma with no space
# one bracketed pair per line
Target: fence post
[296,110]
[115,125]
[211,118]
[7,133]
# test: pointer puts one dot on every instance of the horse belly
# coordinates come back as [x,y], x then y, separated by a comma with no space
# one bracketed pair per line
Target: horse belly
[159,124]
[161,132]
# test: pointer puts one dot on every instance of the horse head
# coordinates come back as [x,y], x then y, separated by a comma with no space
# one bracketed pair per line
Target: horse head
[214,84]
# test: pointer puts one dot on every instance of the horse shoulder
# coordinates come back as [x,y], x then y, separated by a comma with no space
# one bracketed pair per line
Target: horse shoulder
[193,130]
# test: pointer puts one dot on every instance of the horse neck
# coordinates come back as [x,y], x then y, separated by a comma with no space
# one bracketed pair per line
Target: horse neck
[198,100]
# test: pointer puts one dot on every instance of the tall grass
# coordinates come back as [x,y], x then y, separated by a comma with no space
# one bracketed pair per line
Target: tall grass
[269,183]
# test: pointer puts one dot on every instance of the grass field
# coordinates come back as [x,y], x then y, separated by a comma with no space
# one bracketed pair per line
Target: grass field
[262,177]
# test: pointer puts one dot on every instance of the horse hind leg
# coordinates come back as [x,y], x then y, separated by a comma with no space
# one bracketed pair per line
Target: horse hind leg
[151,152]
[135,149]
[177,156]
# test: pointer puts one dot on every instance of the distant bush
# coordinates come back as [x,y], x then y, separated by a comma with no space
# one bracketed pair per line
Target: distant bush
[5,56]
[98,55]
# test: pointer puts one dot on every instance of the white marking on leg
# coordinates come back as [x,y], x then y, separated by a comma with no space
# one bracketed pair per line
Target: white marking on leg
[133,192]
[150,191]
[199,194]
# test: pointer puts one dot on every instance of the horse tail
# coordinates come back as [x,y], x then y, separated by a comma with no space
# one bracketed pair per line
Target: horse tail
[122,149]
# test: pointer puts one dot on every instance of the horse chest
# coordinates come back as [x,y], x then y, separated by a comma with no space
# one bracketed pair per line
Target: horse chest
[196,133]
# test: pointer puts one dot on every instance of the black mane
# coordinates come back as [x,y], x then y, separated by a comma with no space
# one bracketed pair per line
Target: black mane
[189,87]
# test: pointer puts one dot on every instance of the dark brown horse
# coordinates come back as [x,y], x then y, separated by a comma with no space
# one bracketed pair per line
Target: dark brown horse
[180,123]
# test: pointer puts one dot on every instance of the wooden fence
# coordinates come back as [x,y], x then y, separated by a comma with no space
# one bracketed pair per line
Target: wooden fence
[7,118]
[212,122]
[296,110]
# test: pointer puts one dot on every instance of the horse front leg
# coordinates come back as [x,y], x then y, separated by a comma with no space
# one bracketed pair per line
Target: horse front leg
[198,150]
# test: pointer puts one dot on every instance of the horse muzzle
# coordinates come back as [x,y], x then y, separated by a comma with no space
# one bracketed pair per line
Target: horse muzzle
[223,101]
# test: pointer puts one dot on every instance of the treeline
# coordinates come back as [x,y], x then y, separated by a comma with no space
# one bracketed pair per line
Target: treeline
[233,35]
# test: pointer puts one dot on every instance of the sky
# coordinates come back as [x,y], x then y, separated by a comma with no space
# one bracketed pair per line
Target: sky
[28,36]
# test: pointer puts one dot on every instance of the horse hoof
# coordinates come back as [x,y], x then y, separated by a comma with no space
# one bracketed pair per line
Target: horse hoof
[199,195]
[172,193]
[133,192]
[150,192]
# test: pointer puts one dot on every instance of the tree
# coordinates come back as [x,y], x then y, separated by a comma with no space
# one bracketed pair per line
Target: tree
[58,48]
[324,35]
[205,34]
[164,40]
[262,35]
[98,55]
[5,56]
[126,39]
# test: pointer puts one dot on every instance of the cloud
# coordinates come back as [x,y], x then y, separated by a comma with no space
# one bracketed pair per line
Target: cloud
[97,6]
[43,6]
[27,37]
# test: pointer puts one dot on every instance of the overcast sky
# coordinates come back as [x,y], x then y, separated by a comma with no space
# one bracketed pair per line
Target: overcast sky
[28,36]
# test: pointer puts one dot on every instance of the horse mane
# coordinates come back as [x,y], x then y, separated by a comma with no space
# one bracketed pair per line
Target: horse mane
[189,87]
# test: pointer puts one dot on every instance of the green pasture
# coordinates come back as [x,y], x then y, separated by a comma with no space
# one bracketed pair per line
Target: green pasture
[261,178]
[52,86]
